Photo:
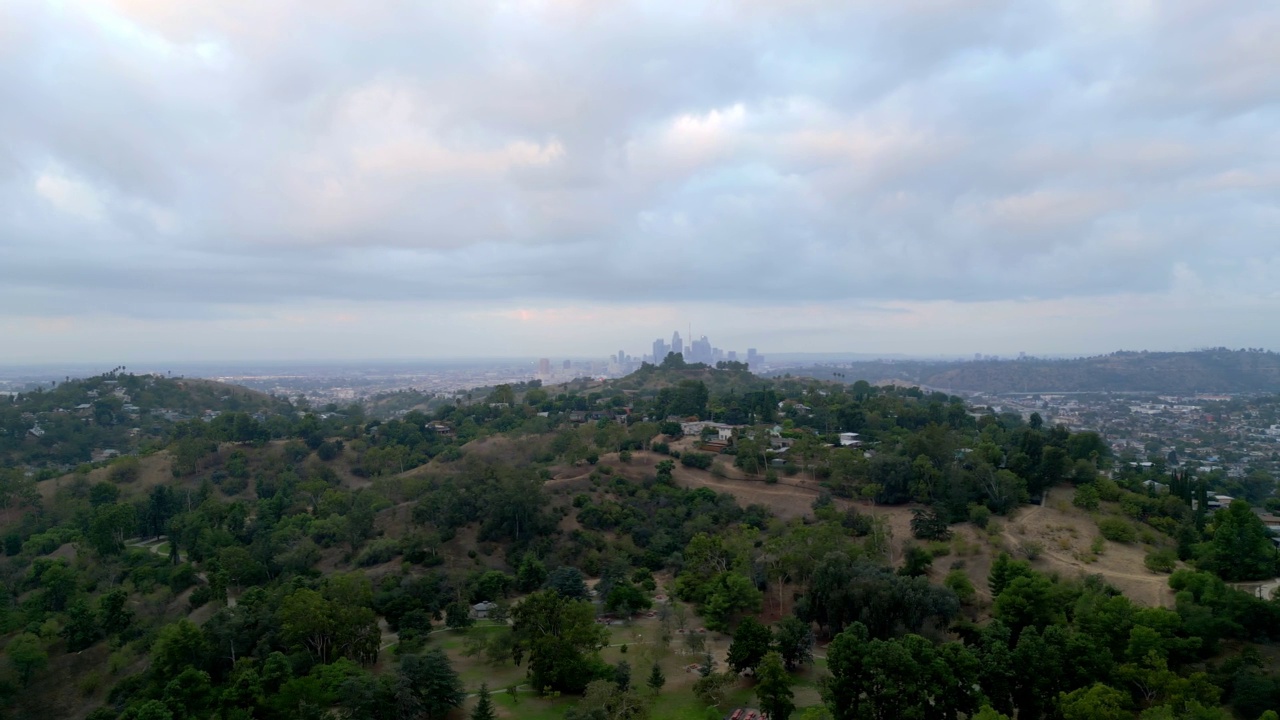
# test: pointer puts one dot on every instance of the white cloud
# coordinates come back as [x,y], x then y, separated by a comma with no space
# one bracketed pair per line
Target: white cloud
[69,195]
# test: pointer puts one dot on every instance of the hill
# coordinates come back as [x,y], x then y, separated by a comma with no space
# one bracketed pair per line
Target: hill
[559,543]
[49,430]
[1205,371]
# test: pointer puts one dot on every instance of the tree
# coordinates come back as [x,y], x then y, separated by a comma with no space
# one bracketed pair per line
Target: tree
[751,641]
[178,646]
[1098,702]
[457,616]
[113,613]
[433,682]
[622,675]
[81,629]
[568,582]
[656,679]
[604,700]
[484,705]
[532,573]
[794,640]
[916,562]
[27,656]
[560,638]
[929,525]
[1241,548]
[773,688]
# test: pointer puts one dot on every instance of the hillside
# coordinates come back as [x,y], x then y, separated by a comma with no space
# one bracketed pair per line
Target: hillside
[1207,371]
[321,565]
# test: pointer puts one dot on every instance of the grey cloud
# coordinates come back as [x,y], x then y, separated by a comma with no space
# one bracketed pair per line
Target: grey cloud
[604,152]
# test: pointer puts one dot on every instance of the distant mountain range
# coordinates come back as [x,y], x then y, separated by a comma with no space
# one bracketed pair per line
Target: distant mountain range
[1217,370]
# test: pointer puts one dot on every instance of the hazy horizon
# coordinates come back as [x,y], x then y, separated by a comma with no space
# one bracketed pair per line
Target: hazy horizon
[292,181]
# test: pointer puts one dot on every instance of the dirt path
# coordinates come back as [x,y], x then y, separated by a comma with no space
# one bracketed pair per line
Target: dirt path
[154,545]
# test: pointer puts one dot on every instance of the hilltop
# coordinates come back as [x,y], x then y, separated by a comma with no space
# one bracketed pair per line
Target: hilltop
[1205,371]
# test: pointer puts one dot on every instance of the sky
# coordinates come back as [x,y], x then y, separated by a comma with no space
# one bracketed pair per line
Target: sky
[325,180]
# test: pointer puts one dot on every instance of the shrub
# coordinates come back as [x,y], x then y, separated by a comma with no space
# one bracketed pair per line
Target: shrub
[1117,530]
[624,456]
[378,552]
[958,582]
[979,515]
[1086,497]
[701,461]
[1031,549]
[125,470]
[1163,560]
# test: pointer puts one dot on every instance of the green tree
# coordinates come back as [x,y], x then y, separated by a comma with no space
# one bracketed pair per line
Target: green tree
[773,688]
[433,682]
[113,612]
[793,638]
[1097,702]
[178,646]
[153,710]
[751,641]
[1026,602]
[604,700]
[1241,548]
[656,679]
[457,616]
[561,640]
[27,656]
[484,705]
[532,573]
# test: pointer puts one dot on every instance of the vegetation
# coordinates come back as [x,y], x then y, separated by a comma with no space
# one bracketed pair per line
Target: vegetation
[271,562]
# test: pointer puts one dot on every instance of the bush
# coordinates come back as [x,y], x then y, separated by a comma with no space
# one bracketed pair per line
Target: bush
[979,515]
[958,582]
[624,456]
[1163,560]
[1031,549]
[125,470]
[1086,497]
[1117,530]
[701,461]
[378,552]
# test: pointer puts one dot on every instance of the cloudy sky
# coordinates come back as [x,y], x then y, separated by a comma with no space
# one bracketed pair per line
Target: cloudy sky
[325,179]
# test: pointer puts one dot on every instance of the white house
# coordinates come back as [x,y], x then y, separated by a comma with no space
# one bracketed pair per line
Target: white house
[849,438]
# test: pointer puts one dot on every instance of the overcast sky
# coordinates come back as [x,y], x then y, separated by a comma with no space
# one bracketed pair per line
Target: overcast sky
[303,179]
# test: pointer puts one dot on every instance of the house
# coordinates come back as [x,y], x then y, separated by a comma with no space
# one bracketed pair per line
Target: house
[37,431]
[481,610]
[577,416]
[848,439]
[440,428]
[723,432]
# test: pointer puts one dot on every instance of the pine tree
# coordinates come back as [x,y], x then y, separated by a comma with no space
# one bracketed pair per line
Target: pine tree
[656,679]
[484,706]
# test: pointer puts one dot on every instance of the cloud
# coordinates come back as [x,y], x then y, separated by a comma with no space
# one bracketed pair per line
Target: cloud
[161,161]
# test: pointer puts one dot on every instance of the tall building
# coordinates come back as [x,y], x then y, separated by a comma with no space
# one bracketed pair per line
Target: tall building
[753,358]
[699,351]
[677,345]
[544,367]
[659,351]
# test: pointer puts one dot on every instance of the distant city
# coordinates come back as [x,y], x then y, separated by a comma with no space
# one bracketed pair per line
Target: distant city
[698,351]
